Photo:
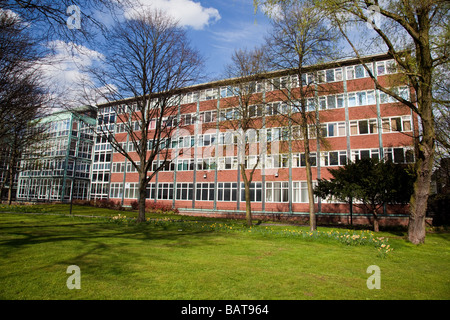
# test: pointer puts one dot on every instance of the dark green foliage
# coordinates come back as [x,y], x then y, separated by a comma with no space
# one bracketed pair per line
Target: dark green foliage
[369,182]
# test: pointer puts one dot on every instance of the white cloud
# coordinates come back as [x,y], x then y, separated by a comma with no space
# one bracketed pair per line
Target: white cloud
[63,73]
[187,12]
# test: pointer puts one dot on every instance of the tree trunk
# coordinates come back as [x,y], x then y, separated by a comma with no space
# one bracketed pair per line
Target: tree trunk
[141,200]
[419,198]
[425,147]
[11,173]
[376,224]
[248,205]
[312,213]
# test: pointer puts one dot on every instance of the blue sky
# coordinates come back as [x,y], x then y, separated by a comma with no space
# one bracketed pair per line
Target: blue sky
[217,27]
[237,27]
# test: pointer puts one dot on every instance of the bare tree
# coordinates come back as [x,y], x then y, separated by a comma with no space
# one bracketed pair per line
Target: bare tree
[246,119]
[148,59]
[66,20]
[416,36]
[21,94]
[301,37]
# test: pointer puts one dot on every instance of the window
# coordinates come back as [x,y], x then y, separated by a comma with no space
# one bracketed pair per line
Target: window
[351,99]
[300,192]
[371,97]
[255,111]
[322,103]
[363,127]
[385,67]
[131,191]
[310,104]
[226,92]
[396,124]
[211,94]
[294,81]
[361,98]
[321,76]
[208,116]
[185,191]
[185,164]
[336,129]
[350,72]
[277,191]
[255,192]
[365,154]
[381,68]
[226,191]
[359,71]
[165,191]
[334,158]
[206,164]
[327,102]
[205,191]
[116,190]
[399,155]
[340,100]
[312,159]
[330,75]
[403,92]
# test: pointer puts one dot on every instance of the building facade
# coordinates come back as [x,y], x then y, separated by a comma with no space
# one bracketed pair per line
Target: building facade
[60,168]
[356,121]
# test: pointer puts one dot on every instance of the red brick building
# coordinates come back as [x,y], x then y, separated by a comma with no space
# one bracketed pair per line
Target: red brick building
[355,121]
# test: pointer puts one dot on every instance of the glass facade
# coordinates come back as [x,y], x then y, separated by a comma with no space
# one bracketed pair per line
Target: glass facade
[59,168]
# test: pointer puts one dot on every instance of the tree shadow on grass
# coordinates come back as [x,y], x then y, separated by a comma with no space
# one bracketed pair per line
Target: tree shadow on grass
[94,233]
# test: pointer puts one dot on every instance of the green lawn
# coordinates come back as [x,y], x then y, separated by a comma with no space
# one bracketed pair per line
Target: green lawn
[165,259]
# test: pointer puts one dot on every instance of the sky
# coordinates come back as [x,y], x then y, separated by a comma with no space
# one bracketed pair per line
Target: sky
[215,27]
[234,25]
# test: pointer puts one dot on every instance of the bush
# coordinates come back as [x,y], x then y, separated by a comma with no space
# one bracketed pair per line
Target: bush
[157,207]
[438,209]
[100,203]
[134,205]
[154,207]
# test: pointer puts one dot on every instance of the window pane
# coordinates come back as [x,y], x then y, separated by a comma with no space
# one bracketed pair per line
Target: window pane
[373,126]
[331,102]
[406,124]
[396,124]
[304,192]
[359,71]
[351,100]
[371,97]
[341,129]
[398,155]
[334,160]
[362,98]
[331,129]
[330,75]
[363,127]
[350,73]
[343,157]
[353,128]
[340,101]
[385,125]
[380,68]
[365,154]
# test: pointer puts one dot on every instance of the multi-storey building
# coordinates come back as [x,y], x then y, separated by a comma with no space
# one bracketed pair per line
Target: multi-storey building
[102,156]
[356,121]
[59,168]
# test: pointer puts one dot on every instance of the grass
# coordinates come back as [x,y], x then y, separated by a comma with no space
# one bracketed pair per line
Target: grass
[191,260]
